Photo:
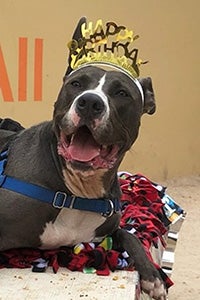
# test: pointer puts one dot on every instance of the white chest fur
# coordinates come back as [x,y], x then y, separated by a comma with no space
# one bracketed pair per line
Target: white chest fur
[70,228]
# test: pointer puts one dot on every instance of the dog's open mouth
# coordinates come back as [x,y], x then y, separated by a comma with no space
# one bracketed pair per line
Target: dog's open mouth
[83,148]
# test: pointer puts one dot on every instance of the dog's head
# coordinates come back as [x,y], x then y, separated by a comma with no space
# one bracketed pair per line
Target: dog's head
[97,115]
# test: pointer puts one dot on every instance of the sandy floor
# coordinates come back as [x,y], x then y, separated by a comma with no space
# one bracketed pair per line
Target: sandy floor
[186,273]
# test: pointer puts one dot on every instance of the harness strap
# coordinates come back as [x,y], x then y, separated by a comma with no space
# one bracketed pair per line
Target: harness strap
[58,199]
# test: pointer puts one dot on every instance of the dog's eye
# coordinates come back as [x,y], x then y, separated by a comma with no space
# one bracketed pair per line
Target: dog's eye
[76,83]
[122,93]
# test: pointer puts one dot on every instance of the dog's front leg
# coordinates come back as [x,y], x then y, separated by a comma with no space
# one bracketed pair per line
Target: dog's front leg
[151,282]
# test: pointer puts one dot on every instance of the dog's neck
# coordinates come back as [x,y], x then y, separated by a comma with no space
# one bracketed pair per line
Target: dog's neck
[88,184]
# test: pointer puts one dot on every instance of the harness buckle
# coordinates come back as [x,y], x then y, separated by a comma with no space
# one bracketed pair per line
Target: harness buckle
[110,211]
[72,201]
[59,200]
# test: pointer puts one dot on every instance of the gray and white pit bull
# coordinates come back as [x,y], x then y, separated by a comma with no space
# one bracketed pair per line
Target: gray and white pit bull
[96,119]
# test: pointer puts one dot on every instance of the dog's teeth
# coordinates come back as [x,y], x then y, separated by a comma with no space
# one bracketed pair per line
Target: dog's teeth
[103,149]
[71,137]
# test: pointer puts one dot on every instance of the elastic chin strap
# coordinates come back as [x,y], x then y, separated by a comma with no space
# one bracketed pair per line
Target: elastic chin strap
[108,66]
[136,81]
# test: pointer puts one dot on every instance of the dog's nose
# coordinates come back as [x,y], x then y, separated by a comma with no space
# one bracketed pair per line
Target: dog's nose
[91,105]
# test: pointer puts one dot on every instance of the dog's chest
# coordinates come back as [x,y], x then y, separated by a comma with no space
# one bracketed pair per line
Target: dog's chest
[70,228]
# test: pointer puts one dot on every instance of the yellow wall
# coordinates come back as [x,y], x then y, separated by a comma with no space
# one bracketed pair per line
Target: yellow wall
[169,141]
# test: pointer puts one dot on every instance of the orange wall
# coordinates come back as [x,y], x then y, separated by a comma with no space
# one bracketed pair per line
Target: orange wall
[33,38]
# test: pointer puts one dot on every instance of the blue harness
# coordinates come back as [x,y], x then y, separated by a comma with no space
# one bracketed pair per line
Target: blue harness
[58,199]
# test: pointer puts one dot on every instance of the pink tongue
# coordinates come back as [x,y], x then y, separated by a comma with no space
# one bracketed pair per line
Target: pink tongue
[83,147]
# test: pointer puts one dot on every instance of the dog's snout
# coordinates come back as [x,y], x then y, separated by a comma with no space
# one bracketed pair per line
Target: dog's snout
[90,104]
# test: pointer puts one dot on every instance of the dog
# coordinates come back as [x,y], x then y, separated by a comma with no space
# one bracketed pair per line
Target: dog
[96,120]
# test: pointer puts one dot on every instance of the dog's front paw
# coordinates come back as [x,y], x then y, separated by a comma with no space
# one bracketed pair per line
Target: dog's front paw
[154,288]
[151,281]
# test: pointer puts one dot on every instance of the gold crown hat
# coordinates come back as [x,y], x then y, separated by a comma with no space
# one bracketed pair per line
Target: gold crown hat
[107,46]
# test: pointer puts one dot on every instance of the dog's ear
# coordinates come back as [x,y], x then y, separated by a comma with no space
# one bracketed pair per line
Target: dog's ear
[76,36]
[9,124]
[149,100]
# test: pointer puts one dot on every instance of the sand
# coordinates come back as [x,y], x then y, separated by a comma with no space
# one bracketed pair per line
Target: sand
[186,272]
